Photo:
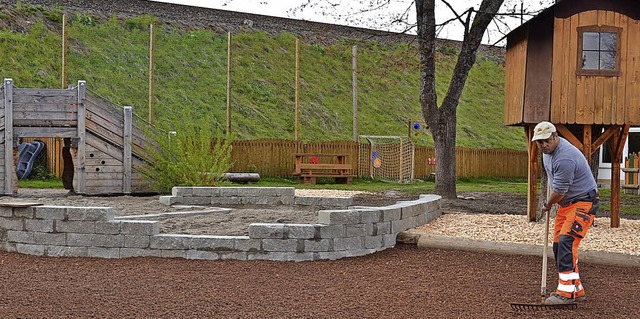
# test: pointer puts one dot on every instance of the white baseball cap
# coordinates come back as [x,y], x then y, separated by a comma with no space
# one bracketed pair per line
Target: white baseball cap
[543,131]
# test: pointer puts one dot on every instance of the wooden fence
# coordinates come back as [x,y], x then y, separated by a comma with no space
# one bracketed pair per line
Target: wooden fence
[274,158]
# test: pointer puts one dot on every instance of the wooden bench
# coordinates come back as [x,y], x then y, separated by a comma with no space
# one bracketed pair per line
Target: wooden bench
[310,166]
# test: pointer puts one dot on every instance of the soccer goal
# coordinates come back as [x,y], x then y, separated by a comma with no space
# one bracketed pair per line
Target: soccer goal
[388,158]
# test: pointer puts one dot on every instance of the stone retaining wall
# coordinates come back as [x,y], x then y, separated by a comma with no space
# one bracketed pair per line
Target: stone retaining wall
[93,232]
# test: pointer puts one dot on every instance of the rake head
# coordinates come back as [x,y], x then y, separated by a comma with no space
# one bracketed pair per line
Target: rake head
[542,307]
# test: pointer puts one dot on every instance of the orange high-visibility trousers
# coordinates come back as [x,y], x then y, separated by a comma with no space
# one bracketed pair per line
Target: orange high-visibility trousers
[571,225]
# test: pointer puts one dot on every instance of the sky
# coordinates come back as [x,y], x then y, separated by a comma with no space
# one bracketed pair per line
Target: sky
[350,12]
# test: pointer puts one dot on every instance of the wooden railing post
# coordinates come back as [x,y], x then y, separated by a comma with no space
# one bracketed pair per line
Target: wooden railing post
[8,137]
[126,162]
[82,114]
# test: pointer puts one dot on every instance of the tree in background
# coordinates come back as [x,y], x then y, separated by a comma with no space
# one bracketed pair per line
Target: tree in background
[441,119]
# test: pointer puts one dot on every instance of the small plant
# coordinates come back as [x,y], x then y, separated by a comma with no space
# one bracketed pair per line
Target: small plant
[28,9]
[84,19]
[188,154]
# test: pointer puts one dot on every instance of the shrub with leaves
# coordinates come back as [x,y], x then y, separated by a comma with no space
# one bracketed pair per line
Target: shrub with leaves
[187,151]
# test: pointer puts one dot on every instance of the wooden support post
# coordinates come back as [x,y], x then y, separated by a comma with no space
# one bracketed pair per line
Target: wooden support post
[586,141]
[228,130]
[126,162]
[532,185]
[151,68]
[297,93]
[619,138]
[82,113]
[9,169]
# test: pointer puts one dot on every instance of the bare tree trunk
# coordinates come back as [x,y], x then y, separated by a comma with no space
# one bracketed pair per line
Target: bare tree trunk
[442,120]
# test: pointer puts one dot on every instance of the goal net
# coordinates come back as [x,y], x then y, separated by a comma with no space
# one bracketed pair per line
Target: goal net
[388,158]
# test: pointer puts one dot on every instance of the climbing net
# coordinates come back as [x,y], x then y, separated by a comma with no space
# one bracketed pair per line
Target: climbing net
[388,158]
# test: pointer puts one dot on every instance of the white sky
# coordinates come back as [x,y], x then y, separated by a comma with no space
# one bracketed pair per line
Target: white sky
[349,12]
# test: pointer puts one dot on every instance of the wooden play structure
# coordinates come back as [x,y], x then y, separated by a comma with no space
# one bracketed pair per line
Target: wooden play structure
[102,143]
[577,65]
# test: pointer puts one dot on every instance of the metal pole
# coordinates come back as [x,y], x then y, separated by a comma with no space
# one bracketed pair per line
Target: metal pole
[354,70]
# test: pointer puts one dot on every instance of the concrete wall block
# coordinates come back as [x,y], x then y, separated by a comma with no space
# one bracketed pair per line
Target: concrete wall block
[348,243]
[288,245]
[244,243]
[410,211]
[102,252]
[333,231]
[202,201]
[212,243]
[182,191]
[96,240]
[302,231]
[335,217]
[202,191]
[136,241]
[224,201]
[307,200]
[38,225]
[317,245]
[166,253]
[370,215]
[57,239]
[11,223]
[431,198]
[229,191]
[29,249]
[66,251]
[389,240]
[22,237]
[356,230]
[137,252]
[89,213]
[201,254]
[170,241]
[51,212]
[264,200]
[24,212]
[382,228]
[6,211]
[140,227]
[237,255]
[391,213]
[170,200]
[75,226]
[282,256]
[373,242]
[430,216]
[266,230]
[111,227]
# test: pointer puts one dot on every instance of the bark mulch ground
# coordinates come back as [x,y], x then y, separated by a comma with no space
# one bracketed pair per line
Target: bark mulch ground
[403,282]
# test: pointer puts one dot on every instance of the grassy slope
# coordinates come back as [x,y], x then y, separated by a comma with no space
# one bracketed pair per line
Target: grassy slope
[190,77]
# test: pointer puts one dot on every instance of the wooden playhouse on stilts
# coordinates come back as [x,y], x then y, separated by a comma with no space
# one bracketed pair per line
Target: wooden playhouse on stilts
[101,143]
[577,65]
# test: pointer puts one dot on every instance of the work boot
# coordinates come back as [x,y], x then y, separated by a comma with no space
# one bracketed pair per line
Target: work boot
[581,298]
[555,299]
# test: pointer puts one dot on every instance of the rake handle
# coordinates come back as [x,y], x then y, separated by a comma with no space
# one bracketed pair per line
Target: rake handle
[543,286]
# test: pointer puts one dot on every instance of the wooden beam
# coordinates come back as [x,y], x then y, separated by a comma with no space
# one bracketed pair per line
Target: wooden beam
[126,163]
[603,138]
[82,113]
[564,131]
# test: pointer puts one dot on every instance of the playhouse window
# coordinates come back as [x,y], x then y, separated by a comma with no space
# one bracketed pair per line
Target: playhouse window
[599,49]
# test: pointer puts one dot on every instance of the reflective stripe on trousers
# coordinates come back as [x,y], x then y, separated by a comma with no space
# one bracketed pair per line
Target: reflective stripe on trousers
[571,225]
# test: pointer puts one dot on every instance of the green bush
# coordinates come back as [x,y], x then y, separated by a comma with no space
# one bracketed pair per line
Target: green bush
[187,152]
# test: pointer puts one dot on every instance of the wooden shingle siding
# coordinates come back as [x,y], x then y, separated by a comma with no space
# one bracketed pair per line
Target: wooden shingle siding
[515,75]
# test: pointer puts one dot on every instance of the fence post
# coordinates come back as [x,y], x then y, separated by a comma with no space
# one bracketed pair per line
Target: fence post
[126,162]
[82,114]
[8,137]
